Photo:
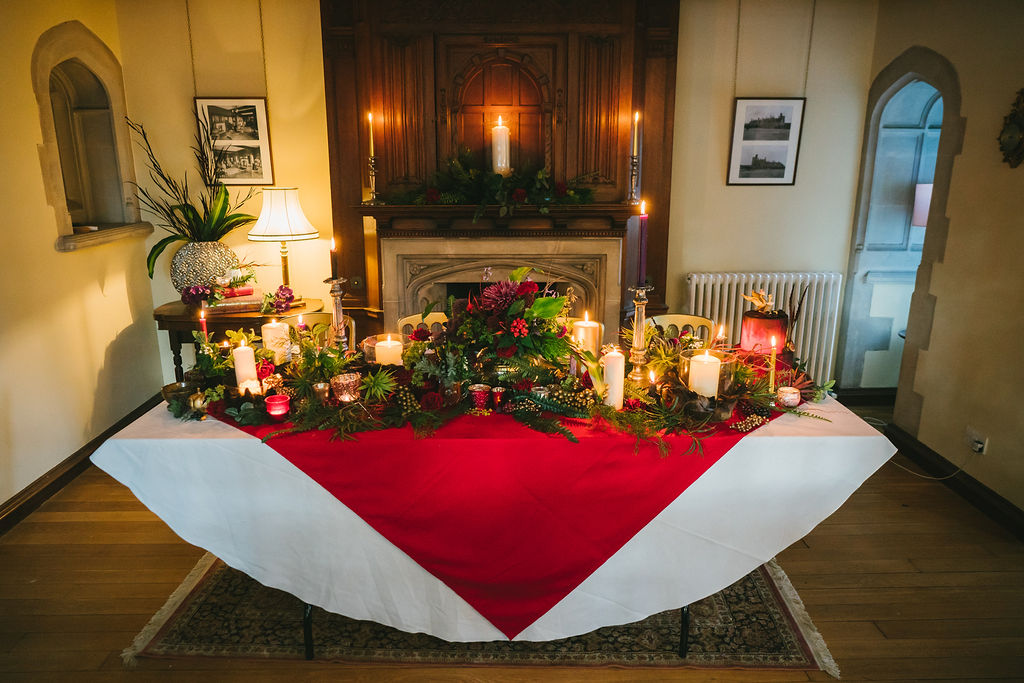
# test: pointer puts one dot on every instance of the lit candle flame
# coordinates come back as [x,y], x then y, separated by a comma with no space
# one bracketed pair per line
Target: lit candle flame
[370,117]
[586,317]
[653,378]
[721,332]
[643,207]
[202,315]
[241,343]
[636,117]
[333,247]
[300,320]
[389,337]
[707,354]
[773,342]
[499,120]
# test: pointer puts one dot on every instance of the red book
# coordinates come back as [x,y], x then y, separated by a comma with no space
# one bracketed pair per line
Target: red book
[230,292]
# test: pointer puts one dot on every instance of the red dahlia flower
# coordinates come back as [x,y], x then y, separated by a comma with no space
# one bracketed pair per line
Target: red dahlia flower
[527,287]
[508,351]
[420,334]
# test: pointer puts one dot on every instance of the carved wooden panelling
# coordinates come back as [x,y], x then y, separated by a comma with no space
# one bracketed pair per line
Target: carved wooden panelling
[502,88]
[406,112]
[600,147]
[536,12]
[477,83]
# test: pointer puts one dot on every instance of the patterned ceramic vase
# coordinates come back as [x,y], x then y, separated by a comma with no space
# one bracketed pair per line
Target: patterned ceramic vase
[200,263]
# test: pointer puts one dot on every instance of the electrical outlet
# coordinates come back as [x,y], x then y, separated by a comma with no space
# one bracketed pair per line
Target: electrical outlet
[976,441]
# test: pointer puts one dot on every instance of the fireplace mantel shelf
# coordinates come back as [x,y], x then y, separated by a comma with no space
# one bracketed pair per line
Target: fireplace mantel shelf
[581,220]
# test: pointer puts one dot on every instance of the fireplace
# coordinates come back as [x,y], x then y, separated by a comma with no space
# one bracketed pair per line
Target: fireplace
[417,271]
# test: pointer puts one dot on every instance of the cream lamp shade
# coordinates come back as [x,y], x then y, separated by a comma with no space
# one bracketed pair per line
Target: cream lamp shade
[282,220]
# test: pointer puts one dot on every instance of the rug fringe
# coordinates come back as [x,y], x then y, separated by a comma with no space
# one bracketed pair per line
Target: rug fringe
[129,656]
[819,649]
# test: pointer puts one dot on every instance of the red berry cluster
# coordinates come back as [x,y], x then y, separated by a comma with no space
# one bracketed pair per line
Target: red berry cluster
[520,328]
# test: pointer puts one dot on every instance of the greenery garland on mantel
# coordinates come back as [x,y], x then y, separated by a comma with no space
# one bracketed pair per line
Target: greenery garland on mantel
[509,333]
[462,182]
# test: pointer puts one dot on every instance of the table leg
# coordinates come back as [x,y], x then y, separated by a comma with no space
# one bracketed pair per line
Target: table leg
[684,631]
[307,629]
[179,374]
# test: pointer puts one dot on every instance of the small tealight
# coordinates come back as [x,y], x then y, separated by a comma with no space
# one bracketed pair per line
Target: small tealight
[278,406]
[788,397]
[321,390]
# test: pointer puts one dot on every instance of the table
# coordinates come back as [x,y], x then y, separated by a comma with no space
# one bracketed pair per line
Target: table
[227,492]
[181,321]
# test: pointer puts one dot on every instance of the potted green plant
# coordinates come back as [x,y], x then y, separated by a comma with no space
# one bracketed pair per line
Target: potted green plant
[200,219]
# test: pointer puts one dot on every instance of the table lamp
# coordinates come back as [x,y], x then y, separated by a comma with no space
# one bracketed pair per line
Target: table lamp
[282,220]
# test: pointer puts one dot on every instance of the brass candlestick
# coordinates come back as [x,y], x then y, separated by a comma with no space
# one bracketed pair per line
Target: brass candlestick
[374,199]
[638,352]
[340,328]
[634,179]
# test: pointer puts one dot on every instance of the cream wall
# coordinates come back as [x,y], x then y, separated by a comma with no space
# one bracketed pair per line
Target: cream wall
[79,349]
[175,51]
[970,372]
[772,48]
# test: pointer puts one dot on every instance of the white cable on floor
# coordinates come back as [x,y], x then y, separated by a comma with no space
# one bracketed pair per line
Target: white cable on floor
[876,422]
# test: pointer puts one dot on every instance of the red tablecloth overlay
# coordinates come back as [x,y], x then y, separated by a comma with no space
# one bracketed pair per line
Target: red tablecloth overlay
[509,518]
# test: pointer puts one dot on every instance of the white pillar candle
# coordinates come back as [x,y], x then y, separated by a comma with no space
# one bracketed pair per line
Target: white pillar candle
[275,338]
[615,377]
[245,364]
[587,333]
[704,371]
[370,117]
[500,148]
[388,352]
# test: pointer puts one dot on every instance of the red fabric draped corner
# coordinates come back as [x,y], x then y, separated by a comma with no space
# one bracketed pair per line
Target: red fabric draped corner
[509,518]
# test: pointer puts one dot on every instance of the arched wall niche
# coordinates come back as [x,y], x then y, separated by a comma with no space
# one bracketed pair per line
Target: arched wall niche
[71,43]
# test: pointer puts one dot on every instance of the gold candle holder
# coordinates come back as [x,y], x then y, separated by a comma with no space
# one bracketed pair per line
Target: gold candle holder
[638,352]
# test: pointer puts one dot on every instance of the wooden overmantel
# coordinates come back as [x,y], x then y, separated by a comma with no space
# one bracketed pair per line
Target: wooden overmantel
[565,76]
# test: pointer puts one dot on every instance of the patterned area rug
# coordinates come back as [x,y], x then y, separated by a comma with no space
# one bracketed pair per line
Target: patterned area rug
[757,623]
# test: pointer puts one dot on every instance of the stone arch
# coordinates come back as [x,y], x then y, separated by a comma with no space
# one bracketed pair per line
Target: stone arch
[72,43]
[924,64]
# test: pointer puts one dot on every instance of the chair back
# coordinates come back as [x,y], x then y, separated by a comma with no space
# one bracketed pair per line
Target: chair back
[433,322]
[674,324]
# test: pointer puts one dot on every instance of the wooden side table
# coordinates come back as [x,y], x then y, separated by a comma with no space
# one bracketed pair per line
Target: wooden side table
[181,321]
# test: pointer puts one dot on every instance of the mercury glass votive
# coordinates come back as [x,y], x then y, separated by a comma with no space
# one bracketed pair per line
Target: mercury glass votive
[481,394]
[321,390]
[498,396]
[788,397]
[346,387]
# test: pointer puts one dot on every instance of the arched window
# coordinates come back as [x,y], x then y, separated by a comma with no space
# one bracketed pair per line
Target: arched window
[87,162]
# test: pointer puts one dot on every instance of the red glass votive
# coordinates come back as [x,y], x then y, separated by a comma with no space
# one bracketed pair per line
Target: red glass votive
[481,394]
[278,406]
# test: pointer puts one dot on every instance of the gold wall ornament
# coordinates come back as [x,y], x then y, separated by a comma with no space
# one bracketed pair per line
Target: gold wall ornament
[1011,137]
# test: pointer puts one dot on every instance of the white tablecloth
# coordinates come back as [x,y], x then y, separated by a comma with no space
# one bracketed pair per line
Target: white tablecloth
[227,492]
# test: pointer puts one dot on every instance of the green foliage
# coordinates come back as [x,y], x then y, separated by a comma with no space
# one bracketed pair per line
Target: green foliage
[248,414]
[206,216]
[377,386]
[545,424]
[462,181]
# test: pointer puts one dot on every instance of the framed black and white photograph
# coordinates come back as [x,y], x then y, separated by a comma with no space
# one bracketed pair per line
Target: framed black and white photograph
[765,141]
[238,128]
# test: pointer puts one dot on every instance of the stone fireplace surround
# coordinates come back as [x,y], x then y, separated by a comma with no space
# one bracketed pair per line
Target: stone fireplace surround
[416,269]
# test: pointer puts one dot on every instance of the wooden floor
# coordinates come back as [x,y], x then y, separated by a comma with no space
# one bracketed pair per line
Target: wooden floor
[906,582]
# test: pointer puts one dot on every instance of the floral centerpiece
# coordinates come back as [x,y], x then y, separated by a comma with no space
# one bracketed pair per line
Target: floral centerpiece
[509,336]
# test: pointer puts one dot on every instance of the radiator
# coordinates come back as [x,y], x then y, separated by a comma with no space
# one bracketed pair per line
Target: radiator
[719,296]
